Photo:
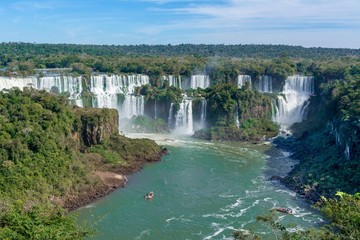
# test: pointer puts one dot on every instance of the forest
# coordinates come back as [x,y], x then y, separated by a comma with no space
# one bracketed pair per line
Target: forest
[48,154]
[198,50]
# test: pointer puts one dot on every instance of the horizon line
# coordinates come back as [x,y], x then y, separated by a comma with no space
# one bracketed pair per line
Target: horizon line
[179,44]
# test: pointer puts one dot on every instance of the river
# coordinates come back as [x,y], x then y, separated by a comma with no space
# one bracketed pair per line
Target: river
[203,190]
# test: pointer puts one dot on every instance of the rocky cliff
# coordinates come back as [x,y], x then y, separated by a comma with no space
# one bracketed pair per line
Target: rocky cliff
[96,124]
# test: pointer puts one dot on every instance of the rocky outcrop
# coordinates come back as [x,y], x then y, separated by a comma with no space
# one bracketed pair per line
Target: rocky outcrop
[109,155]
[95,124]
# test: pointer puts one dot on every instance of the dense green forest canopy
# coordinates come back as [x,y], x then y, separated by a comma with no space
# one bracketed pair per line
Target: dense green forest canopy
[200,50]
[48,152]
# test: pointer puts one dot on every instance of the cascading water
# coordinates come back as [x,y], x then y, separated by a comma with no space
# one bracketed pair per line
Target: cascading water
[347,152]
[340,141]
[291,106]
[265,84]
[184,118]
[58,84]
[72,85]
[203,113]
[171,113]
[133,105]
[199,81]
[7,83]
[243,79]
[236,115]
[155,110]
[173,80]
[108,88]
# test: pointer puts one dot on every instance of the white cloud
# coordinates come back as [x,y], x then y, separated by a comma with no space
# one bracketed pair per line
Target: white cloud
[298,22]
[242,9]
[264,14]
[30,6]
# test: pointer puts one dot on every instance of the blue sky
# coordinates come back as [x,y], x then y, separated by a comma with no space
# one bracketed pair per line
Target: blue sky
[309,23]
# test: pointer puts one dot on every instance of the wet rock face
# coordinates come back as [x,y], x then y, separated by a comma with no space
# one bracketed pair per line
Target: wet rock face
[92,135]
[95,125]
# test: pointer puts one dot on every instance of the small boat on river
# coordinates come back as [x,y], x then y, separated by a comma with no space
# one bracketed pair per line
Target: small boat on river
[149,195]
[284,210]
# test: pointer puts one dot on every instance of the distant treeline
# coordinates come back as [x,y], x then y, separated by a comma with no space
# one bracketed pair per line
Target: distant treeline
[201,50]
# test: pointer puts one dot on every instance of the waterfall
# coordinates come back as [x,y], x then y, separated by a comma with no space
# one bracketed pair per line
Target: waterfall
[171,113]
[243,79]
[132,105]
[155,110]
[199,81]
[291,105]
[57,84]
[107,89]
[72,85]
[347,152]
[184,118]
[339,142]
[173,80]
[116,84]
[7,83]
[265,84]
[203,113]
[236,115]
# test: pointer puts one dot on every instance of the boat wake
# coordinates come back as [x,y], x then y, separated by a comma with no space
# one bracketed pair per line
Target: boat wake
[143,233]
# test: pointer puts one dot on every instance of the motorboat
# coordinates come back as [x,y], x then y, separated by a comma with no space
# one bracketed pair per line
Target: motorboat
[149,195]
[284,210]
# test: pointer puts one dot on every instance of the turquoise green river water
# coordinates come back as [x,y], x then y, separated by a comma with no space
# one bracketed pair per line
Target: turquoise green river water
[203,190]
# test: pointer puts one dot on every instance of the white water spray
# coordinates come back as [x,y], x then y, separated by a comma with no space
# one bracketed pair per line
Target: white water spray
[59,84]
[291,106]
[72,85]
[184,118]
[173,80]
[199,81]
[242,80]
[132,105]
[108,88]
[7,83]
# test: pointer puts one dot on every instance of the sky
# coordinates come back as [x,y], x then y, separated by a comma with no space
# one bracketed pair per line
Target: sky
[308,23]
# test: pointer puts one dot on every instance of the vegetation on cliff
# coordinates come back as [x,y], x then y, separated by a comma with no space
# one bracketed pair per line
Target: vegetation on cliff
[342,213]
[328,146]
[253,114]
[49,152]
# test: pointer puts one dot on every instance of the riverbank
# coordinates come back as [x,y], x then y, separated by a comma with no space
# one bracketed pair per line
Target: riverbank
[309,177]
[114,178]
[280,164]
